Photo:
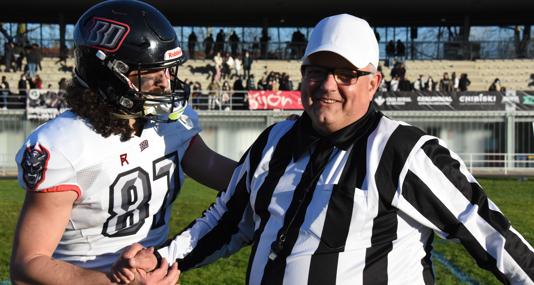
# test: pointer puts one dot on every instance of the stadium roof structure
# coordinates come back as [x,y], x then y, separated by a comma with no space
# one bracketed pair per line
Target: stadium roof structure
[294,13]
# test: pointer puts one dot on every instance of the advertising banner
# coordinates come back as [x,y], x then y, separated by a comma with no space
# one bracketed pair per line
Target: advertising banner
[44,104]
[274,100]
[455,101]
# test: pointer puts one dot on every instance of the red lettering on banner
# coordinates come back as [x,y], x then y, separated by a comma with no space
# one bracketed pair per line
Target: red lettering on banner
[269,100]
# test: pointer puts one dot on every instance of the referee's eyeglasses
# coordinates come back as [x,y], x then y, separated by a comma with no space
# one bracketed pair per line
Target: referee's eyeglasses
[342,76]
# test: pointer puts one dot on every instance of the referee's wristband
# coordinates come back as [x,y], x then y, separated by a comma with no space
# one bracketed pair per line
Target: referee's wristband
[158,258]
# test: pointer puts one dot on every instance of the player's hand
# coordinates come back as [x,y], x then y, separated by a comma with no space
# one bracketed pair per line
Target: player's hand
[144,260]
[163,275]
[134,257]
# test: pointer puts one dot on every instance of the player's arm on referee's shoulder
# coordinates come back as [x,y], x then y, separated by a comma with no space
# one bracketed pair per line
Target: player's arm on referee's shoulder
[207,166]
[226,225]
[442,194]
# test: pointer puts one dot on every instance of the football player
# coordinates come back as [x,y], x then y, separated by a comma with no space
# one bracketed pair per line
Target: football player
[104,174]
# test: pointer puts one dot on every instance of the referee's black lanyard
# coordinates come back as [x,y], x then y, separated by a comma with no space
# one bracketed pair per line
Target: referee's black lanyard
[307,138]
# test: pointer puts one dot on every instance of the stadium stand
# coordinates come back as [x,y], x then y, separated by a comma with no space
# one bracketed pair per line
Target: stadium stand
[513,73]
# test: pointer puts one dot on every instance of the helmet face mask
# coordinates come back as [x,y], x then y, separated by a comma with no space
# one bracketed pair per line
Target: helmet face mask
[115,39]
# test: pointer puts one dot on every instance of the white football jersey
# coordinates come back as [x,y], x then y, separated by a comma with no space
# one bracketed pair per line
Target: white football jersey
[125,189]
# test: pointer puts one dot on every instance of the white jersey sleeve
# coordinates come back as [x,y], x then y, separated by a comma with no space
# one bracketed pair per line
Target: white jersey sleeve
[42,165]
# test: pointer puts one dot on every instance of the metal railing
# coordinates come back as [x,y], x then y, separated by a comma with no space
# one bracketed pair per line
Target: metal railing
[499,163]
[490,142]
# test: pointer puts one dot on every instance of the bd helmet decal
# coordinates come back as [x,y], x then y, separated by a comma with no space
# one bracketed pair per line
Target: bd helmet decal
[107,34]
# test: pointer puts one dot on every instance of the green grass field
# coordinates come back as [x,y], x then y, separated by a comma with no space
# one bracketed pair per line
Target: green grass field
[514,198]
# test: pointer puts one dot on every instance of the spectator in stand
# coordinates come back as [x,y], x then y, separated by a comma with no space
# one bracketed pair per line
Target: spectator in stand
[239,98]
[219,41]
[31,83]
[208,46]
[255,47]
[383,83]
[4,92]
[297,44]
[531,80]
[214,89]
[63,55]
[39,56]
[228,66]
[430,85]
[196,95]
[384,86]
[51,99]
[400,49]
[247,64]
[19,55]
[445,84]
[419,85]
[390,49]
[62,84]
[4,84]
[33,59]
[234,43]
[251,85]
[394,72]
[292,46]
[402,70]
[285,82]
[23,85]
[377,35]
[274,83]
[238,64]
[238,84]
[455,82]
[37,81]
[264,42]
[405,84]
[495,86]
[263,84]
[394,84]
[398,70]
[9,54]
[218,60]
[464,82]
[225,96]
[191,44]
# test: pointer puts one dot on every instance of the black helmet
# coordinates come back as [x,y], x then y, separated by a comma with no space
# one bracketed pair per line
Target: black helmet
[114,38]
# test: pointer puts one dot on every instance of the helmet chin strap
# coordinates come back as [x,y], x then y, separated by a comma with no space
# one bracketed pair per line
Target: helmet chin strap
[127,116]
[174,116]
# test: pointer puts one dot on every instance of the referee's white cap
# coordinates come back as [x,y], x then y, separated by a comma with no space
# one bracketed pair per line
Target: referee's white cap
[349,36]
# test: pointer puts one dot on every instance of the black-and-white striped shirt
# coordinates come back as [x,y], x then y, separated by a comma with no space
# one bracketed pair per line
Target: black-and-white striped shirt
[365,213]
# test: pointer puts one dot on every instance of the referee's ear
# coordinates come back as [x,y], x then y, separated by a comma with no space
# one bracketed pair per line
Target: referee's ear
[374,83]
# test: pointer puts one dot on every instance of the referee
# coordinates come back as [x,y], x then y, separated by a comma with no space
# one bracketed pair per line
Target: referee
[345,195]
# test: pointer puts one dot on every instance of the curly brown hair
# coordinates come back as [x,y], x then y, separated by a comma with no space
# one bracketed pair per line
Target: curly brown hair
[89,105]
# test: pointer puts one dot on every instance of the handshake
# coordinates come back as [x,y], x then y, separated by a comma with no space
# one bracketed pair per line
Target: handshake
[140,265]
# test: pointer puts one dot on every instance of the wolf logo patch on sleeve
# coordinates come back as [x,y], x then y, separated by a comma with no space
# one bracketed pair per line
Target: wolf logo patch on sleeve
[34,164]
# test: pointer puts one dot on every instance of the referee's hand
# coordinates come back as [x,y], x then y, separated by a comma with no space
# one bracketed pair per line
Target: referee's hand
[134,258]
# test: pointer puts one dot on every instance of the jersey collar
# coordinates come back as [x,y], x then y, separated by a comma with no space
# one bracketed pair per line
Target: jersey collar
[307,136]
